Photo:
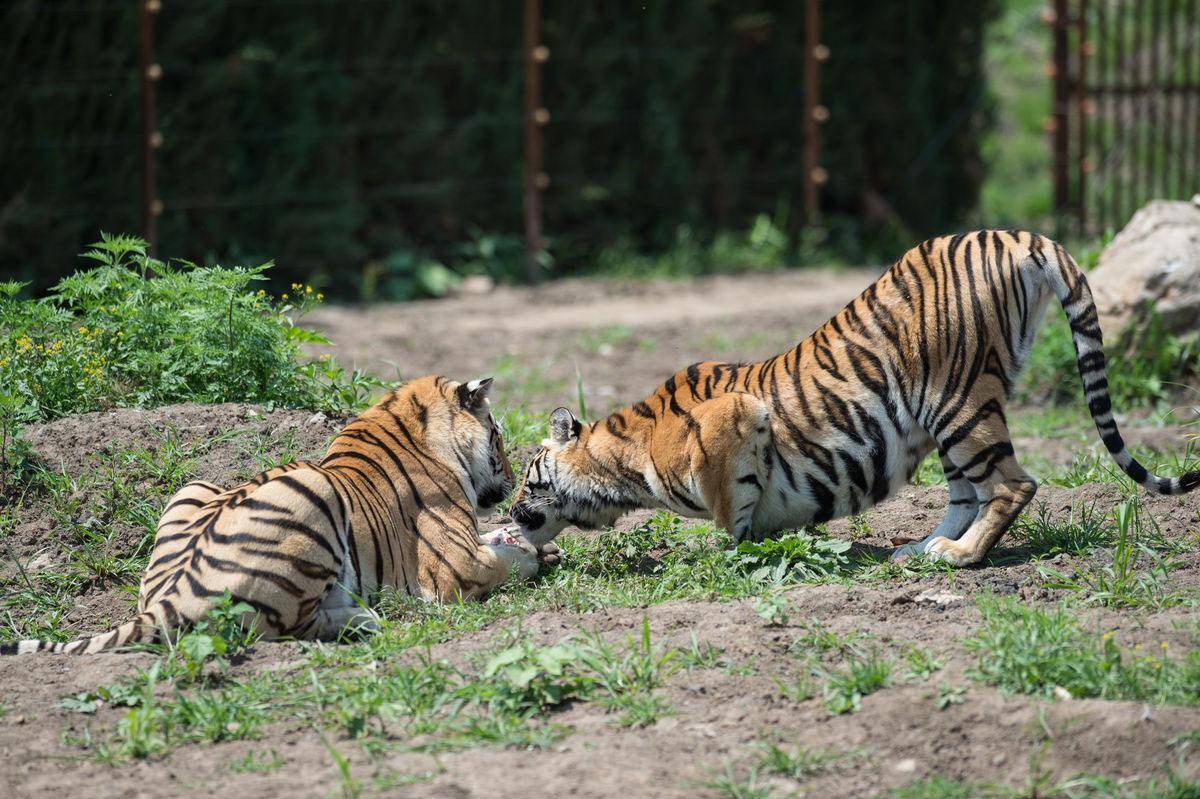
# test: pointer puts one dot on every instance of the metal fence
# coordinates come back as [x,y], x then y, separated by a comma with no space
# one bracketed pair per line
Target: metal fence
[534,117]
[1126,123]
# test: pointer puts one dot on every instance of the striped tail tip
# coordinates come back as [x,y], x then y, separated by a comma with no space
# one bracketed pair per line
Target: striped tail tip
[1188,482]
[26,647]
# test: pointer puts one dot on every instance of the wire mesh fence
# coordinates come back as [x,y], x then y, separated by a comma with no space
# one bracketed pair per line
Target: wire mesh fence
[333,133]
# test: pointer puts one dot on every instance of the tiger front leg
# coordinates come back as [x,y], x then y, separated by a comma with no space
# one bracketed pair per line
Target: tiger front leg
[501,555]
[729,461]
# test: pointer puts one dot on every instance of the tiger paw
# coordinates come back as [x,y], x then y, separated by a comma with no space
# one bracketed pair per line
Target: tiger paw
[907,550]
[550,554]
[942,548]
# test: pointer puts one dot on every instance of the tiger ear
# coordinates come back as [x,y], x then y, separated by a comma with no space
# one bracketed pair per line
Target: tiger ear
[563,426]
[471,395]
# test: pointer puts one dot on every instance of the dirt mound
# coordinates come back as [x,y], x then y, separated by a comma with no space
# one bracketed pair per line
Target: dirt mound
[107,476]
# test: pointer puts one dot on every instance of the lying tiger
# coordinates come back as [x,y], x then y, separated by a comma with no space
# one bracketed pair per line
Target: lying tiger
[393,504]
[923,358]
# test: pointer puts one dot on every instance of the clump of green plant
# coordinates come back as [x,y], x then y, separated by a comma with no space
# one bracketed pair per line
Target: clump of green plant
[223,633]
[136,331]
[1137,575]
[796,556]
[1082,532]
[1027,650]
[863,674]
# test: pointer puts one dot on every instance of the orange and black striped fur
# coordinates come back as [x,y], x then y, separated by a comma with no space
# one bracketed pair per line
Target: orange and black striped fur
[924,358]
[393,503]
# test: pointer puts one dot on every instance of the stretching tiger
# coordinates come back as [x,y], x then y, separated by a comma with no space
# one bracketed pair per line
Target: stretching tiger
[393,503]
[924,358]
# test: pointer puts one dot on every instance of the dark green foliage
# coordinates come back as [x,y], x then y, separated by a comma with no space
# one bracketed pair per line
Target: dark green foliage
[359,143]
[133,331]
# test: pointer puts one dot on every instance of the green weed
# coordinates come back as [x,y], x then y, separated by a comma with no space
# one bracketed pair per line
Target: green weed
[1135,577]
[862,675]
[796,556]
[1027,650]
[134,331]
[1082,532]
[798,764]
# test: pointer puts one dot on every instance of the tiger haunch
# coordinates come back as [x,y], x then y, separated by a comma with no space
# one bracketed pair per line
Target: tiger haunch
[392,504]
[922,359]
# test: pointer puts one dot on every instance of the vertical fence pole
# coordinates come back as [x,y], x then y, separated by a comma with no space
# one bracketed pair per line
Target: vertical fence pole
[814,112]
[1082,113]
[150,72]
[1120,108]
[1060,114]
[1102,102]
[534,118]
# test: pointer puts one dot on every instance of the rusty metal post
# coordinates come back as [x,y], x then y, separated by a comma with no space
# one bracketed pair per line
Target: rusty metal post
[1060,115]
[535,117]
[151,139]
[814,113]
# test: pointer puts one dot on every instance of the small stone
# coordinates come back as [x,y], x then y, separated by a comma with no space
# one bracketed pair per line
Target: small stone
[999,759]
[18,719]
[906,766]
[317,418]
[1061,693]
[941,599]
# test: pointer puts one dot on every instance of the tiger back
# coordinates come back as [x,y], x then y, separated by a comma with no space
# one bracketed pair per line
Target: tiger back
[924,358]
[393,504]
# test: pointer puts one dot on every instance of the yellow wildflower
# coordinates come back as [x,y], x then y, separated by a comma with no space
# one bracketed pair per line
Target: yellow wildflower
[1164,645]
[284,296]
[308,289]
[320,296]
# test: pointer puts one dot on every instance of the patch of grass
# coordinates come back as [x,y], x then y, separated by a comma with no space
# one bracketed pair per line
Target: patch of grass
[430,704]
[948,695]
[816,638]
[1083,531]
[919,664]
[797,764]
[728,785]
[260,762]
[134,331]
[863,674]
[1137,575]
[1028,650]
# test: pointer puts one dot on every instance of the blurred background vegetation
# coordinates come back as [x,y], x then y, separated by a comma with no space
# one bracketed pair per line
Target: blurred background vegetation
[373,148]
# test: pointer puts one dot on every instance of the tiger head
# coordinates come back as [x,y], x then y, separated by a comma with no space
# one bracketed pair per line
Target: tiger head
[561,486]
[477,441]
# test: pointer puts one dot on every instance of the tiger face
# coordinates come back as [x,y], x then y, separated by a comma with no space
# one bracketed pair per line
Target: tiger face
[558,489]
[481,443]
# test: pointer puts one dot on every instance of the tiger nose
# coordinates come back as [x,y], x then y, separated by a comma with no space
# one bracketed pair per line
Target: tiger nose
[525,517]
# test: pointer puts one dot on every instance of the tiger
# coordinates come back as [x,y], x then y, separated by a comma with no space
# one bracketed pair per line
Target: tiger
[393,504]
[922,359]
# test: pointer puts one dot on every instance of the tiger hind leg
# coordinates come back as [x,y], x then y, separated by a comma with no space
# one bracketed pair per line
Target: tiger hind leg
[337,616]
[961,511]
[984,456]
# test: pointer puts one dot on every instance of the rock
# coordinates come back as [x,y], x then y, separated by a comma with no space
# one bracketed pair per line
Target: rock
[906,766]
[1155,259]
[938,598]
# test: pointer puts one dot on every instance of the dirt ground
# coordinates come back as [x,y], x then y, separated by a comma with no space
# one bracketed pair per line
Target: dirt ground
[623,339]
